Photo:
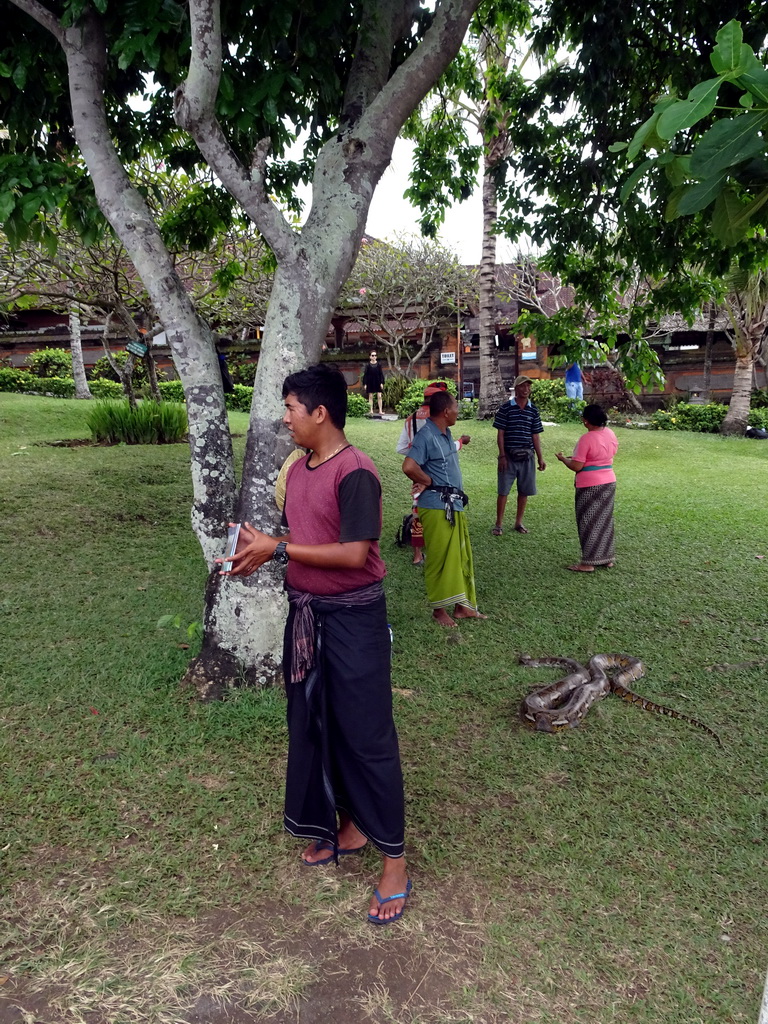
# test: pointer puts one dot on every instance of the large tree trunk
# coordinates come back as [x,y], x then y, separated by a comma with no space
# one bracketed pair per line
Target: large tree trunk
[735,421]
[492,393]
[243,617]
[78,367]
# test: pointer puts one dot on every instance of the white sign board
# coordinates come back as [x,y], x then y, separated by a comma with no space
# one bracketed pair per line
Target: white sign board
[447,357]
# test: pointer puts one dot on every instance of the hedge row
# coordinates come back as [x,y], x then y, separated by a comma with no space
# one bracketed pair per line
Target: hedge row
[703,419]
[23,382]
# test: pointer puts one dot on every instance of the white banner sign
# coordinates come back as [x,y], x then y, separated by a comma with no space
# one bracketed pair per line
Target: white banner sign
[447,357]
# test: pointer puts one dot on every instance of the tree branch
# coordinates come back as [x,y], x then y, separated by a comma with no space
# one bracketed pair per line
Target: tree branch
[42,16]
[416,75]
[194,110]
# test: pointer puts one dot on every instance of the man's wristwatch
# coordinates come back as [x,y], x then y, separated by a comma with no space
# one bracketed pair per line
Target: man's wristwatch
[280,555]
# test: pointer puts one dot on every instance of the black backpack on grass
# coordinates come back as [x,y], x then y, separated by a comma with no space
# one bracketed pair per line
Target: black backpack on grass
[403,535]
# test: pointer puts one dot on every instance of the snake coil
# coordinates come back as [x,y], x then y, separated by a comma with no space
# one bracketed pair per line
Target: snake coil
[564,703]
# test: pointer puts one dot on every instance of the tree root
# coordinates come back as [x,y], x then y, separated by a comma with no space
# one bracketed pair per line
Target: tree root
[215,672]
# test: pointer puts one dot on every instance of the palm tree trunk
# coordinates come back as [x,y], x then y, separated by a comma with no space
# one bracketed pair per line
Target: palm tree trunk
[735,421]
[492,393]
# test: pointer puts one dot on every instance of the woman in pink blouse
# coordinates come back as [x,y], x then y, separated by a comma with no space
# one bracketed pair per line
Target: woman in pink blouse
[592,462]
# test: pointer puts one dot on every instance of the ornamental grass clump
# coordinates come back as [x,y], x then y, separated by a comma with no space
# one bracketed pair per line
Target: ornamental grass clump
[116,422]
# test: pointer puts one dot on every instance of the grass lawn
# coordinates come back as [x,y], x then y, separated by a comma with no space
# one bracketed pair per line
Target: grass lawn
[615,874]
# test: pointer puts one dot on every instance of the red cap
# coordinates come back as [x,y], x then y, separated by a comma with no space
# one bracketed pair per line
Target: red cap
[434,388]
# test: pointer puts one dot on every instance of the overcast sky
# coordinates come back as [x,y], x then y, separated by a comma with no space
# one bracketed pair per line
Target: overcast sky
[390,214]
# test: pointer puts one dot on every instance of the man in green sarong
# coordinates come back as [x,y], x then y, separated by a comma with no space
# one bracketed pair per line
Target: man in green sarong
[432,464]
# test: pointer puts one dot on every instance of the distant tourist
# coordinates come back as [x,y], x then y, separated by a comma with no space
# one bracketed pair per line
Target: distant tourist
[373,383]
[574,382]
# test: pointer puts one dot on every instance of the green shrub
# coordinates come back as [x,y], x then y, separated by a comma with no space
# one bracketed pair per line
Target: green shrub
[105,388]
[12,379]
[544,392]
[240,399]
[563,410]
[758,418]
[395,387]
[50,362]
[414,395]
[171,390]
[468,408]
[357,405]
[57,387]
[703,419]
[116,422]
[242,370]
[102,370]
[759,398]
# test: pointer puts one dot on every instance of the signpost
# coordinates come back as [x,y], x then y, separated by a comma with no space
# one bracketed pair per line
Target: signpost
[137,348]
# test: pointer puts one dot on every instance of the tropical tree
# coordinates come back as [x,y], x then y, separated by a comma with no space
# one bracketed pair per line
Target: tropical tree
[721,176]
[475,99]
[406,293]
[567,192]
[227,86]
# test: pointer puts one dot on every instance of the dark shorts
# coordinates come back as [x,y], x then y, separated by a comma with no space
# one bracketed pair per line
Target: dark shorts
[523,471]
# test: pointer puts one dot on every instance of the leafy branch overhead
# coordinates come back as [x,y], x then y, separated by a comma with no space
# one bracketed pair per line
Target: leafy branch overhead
[725,166]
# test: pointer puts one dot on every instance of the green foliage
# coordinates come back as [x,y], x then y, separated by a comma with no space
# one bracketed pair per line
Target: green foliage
[50,362]
[728,163]
[171,390]
[357,405]
[395,387]
[468,408]
[414,395]
[702,419]
[544,391]
[105,389]
[23,381]
[759,398]
[241,398]
[12,379]
[242,369]
[102,369]
[550,399]
[758,418]
[116,422]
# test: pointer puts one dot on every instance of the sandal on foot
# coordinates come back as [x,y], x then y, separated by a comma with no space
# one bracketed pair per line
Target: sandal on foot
[497,531]
[519,528]
[381,900]
[580,568]
[323,844]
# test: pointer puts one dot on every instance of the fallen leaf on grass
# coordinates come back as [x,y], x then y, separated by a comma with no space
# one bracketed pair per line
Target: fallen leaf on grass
[761,557]
[403,693]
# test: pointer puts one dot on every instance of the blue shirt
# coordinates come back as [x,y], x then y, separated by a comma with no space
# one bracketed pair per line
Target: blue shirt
[573,374]
[436,454]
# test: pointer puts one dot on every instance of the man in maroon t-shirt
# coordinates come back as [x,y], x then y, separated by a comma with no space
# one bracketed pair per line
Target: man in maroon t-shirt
[344,782]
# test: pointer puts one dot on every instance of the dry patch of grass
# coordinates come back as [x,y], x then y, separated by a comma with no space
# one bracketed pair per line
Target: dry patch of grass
[91,964]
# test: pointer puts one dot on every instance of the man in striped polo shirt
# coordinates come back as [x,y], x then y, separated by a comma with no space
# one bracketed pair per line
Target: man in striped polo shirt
[519,425]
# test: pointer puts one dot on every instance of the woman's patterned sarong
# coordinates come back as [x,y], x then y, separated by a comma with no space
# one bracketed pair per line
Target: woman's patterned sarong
[594,519]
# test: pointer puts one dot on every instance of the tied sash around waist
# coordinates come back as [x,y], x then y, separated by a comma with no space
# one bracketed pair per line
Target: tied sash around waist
[306,638]
[586,469]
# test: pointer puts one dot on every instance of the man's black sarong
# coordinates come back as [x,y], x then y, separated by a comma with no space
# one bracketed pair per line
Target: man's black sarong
[342,745]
